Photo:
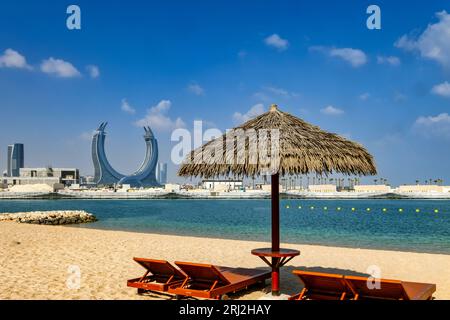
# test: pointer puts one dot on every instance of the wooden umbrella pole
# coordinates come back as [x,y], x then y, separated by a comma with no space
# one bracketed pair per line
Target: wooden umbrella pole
[275,233]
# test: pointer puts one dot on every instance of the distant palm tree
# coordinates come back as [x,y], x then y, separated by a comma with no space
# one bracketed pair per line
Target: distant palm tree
[375,180]
[417,182]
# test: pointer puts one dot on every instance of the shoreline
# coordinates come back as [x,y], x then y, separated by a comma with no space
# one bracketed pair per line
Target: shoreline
[174,196]
[340,246]
[104,257]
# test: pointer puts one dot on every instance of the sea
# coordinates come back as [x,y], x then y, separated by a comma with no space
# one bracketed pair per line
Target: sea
[403,225]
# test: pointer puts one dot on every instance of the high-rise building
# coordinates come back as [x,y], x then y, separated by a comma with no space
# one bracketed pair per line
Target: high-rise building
[104,173]
[161,173]
[15,159]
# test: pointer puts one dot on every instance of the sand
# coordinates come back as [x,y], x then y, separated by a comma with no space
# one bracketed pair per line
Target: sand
[37,262]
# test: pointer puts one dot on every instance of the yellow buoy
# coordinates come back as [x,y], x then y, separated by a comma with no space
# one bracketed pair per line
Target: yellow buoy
[436,210]
[417,210]
[312,208]
[339,209]
[384,209]
[400,210]
[287,207]
[368,209]
[325,208]
[353,209]
[299,207]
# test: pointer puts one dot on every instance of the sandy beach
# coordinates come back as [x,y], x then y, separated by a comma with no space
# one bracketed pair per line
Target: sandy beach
[36,260]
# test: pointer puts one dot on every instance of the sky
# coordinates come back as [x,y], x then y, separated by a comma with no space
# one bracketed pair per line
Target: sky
[169,63]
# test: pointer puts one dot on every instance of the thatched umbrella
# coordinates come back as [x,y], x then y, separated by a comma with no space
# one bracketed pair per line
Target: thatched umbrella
[285,145]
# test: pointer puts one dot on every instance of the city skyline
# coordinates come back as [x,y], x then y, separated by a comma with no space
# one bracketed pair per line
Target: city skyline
[386,89]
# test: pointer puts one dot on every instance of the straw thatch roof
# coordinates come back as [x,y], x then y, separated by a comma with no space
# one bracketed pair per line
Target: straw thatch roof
[303,149]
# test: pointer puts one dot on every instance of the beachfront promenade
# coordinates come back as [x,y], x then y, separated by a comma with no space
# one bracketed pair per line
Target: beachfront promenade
[50,256]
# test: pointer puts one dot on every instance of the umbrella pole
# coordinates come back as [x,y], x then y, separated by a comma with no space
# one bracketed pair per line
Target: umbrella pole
[275,232]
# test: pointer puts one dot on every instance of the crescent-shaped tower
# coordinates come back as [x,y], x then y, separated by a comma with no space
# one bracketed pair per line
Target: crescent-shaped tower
[105,174]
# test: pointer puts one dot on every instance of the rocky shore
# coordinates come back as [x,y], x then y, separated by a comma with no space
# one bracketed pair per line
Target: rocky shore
[49,217]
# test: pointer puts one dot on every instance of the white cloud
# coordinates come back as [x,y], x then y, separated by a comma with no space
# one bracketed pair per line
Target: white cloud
[196,89]
[438,126]
[391,60]
[364,96]
[433,43]
[87,135]
[442,89]
[261,96]
[126,107]
[281,92]
[331,111]
[355,57]
[254,111]
[270,93]
[276,42]
[157,118]
[94,71]
[13,59]
[59,68]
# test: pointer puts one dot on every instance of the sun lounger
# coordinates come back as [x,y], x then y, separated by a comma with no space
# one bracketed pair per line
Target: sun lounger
[214,282]
[390,289]
[322,286]
[159,275]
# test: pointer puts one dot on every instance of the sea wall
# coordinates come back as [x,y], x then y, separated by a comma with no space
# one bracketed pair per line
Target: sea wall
[49,217]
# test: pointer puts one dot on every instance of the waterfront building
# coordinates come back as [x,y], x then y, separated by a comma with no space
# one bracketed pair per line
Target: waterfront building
[161,173]
[15,159]
[423,189]
[171,187]
[56,178]
[222,185]
[105,174]
[322,188]
[372,188]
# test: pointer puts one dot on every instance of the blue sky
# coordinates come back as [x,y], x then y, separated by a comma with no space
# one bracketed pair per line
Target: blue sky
[170,63]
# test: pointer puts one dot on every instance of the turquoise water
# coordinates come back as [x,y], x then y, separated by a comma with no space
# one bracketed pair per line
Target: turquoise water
[423,231]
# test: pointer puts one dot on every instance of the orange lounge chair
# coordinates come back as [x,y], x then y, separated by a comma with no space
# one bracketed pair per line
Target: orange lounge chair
[390,289]
[213,282]
[322,286]
[159,275]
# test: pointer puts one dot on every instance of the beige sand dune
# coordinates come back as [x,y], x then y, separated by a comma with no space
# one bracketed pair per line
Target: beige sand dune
[36,260]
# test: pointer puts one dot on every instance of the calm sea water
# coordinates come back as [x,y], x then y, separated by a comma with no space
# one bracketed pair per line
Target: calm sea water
[425,231]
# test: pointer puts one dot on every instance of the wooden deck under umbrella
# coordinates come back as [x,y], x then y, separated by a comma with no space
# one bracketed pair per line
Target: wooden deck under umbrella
[285,145]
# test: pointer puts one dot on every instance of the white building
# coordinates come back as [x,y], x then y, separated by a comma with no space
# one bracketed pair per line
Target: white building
[372,188]
[322,188]
[422,188]
[53,177]
[222,185]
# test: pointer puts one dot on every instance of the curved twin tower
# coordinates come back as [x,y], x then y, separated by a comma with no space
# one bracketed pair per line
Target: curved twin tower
[145,176]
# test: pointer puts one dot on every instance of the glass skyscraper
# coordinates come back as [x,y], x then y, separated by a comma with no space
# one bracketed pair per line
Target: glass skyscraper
[161,173]
[15,159]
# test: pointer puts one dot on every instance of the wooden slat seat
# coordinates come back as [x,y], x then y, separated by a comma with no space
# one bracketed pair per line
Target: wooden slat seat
[159,275]
[325,286]
[390,289]
[214,282]
[321,286]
